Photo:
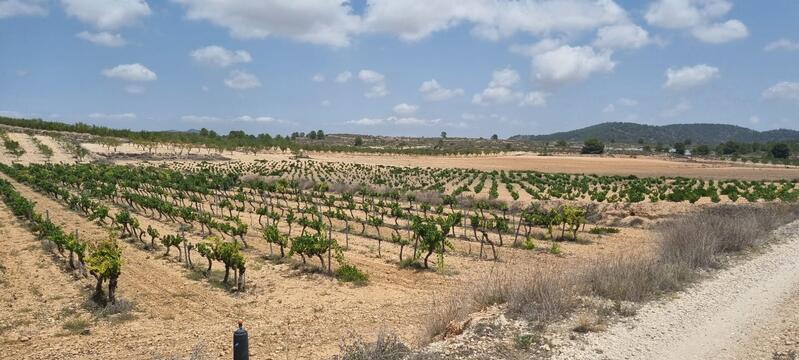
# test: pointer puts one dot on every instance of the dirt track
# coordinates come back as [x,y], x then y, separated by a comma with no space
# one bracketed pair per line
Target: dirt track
[721,318]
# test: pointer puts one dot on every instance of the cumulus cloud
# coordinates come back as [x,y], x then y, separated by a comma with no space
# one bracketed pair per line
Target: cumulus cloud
[535,99]
[621,36]
[395,120]
[377,82]
[130,72]
[220,57]
[539,47]
[11,8]
[782,44]
[318,78]
[784,91]
[405,108]
[721,32]
[107,15]
[571,64]
[102,38]
[413,20]
[431,90]
[500,91]
[343,77]
[322,22]
[699,16]
[241,80]
[122,116]
[690,76]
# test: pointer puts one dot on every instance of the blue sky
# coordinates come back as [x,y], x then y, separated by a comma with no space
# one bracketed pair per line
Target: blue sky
[400,67]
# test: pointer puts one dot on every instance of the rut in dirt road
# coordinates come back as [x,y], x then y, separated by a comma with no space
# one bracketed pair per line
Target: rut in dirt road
[711,319]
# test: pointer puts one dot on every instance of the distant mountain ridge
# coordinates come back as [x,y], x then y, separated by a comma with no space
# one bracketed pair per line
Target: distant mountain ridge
[709,134]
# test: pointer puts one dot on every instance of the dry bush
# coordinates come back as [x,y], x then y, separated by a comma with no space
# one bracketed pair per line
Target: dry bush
[543,294]
[443,313]
[385,347]
[588,322]
[634,277]
[698,239]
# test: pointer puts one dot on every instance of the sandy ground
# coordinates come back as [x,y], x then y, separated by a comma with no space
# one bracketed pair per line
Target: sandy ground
[721,318]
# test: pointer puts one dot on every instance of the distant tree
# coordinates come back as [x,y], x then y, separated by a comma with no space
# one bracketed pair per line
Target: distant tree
[494,137]
[687,142]
[701,150]
[680,148]
[593,146]
[204,132]
[641,141]
[729,147]
[358,141]
[320,134]
[647,149]
[561,143]
[780,151]
[443,134]
[312,135]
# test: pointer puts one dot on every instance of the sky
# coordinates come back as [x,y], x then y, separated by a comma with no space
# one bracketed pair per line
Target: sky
[400,67]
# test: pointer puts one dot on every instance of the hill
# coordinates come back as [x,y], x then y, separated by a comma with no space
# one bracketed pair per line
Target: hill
[710,134]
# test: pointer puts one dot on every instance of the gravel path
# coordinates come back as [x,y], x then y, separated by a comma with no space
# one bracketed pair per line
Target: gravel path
[715,319]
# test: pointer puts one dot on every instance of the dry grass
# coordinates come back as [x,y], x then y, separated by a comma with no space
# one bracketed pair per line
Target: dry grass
[385,347]
[689,243]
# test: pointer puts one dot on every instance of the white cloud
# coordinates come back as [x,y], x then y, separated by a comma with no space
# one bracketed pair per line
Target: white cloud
[699,16]
[405,108]
[539,47]
[394,120]
[628,102]
[370,76]
[11,8]
[199,118]
[130,72]
[784,90]
[782,44]
[103,116]
[413,20]
[570,64]
[690,76]
[220,57]
[504,78]
[318,78]
[721,32]
[677,109]
[376,80]
[500,91]
[107,15]
[622,101]
[535,99]
[314,21]
[240,119]
[621,36]
[241,80]
[102,38]
[343,77]
[609,109]
[432,91]
[681,14]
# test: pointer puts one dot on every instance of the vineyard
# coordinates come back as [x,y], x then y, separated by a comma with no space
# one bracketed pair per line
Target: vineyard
[250,232]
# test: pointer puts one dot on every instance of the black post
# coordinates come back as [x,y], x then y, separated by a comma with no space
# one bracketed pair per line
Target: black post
[241,350]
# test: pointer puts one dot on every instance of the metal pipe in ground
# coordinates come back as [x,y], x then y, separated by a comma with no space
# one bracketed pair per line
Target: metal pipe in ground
[241,346]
